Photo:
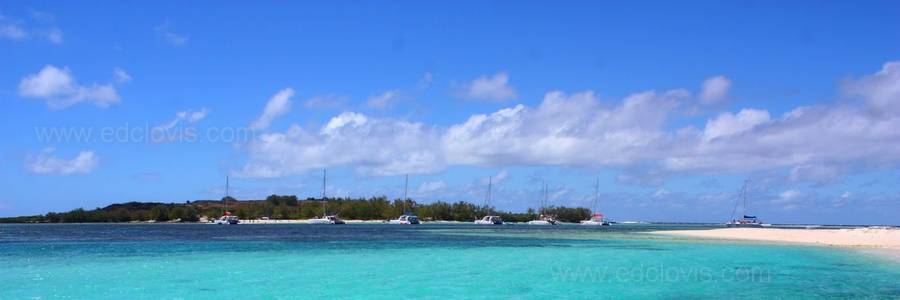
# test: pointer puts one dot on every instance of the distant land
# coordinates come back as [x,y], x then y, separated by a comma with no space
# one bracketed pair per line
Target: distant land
[290,207]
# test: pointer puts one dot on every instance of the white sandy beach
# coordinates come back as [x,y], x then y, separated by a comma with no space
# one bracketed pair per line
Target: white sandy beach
[880,238]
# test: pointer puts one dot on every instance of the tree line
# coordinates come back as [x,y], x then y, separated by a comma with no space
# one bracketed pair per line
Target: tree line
[290,207]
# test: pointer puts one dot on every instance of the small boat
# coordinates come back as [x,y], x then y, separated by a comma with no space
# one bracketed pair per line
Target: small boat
[746,220]
[330,220]
[326,218]
[542,218]
[226,218]
[597,217]
[489,219]
[407,218]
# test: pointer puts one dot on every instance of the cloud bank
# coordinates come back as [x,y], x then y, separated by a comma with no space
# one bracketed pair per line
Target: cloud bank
[579,130]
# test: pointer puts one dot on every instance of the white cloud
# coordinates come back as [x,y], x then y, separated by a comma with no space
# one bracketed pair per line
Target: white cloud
[12,32]
[715,89]
[120,76]
[727,124]
[58,88]
[42,16]
[564,130]
[880,90]
[494,88]
[383,100]
[45,163]
[278,105]
[19,30]
[374,146]
[425,81]
[189,116]
[814,173]
[431,187]
[661,193]
[54,35]
[161,133]
[496,178]
[164,30]
[325,101]
[844,199]
[194,116]
[789,195]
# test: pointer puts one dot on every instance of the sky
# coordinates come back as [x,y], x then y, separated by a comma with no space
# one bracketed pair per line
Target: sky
[671,106]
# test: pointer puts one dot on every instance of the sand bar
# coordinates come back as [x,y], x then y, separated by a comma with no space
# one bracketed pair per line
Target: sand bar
[882,238]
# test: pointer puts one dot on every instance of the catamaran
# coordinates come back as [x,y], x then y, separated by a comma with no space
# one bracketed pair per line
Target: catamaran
[489,219]
[326,218]
[542,218]
[596,217]
[746,220]
[407,218]
[226,218]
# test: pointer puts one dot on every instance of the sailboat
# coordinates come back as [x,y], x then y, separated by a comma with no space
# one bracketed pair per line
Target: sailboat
[226,218]
[407,218]
[596,217]
[544,219]
[325,219]
[489,219]
[746,220]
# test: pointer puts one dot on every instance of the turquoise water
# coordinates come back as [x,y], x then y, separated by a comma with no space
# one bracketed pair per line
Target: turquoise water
[192,261]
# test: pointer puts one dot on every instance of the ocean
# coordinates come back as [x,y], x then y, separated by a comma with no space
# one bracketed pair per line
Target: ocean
[430,261]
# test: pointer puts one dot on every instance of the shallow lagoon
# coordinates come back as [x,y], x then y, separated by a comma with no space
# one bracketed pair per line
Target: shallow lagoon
[189,261]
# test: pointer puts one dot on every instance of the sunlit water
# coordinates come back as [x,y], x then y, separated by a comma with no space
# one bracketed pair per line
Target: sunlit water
[191,261]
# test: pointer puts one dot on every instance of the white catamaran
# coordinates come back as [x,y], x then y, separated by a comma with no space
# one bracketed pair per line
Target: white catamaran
[407,218]
[596,217]
[746,220]
[226,218]
[326,218]
[544,219]
[489,219]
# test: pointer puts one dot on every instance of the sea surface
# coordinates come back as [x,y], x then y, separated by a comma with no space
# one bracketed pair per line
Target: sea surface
[440,261]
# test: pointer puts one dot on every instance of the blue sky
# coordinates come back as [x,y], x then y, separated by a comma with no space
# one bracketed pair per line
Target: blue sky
[670,105]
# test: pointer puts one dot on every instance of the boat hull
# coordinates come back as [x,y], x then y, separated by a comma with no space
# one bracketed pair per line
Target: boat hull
[595,223]
[542,222]
[481,222]
[745,225]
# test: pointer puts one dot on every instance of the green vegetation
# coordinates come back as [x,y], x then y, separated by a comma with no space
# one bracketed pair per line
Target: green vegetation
[289,207]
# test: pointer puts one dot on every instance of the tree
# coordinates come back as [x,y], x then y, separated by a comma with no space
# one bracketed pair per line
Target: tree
[160,213]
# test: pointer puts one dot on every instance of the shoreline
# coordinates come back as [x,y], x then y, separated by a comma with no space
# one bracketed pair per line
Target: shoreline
[884,242]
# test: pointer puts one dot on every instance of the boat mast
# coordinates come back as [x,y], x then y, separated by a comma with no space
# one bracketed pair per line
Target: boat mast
[487,200]
[405,191]
[324,201]
[544,199]
[744,196]
[596,194]
[226,194]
